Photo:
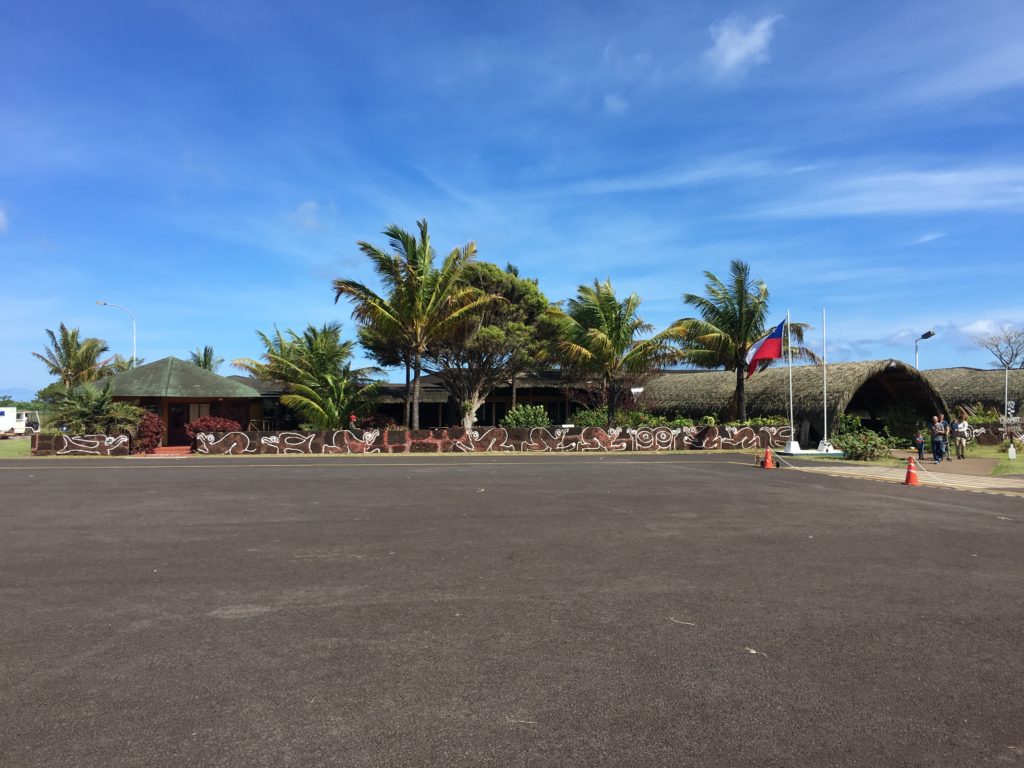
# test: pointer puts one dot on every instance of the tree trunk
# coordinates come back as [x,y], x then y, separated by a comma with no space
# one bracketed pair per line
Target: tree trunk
[741,396]
[514,377]
[468,417]
[405,405]
[416,390]
[612,397]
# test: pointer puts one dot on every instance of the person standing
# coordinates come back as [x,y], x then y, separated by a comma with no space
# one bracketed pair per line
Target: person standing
[960,434]
[938,434]
[919,444]
[945,437]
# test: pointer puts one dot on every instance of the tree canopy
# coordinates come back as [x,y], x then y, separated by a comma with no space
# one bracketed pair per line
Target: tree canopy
[733,317]
[1006,345]
[500,340]
[601,336]
[419,304]
[72,359]
[206,359]
[321,385]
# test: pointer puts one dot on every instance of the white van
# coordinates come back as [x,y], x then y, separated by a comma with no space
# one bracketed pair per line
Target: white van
[15,422]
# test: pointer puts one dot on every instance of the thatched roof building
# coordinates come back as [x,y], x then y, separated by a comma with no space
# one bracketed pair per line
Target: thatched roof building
[967,386]
[866,388]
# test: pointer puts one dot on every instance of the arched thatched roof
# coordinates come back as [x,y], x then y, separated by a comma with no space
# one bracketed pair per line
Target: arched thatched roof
[967,386]
[860,386]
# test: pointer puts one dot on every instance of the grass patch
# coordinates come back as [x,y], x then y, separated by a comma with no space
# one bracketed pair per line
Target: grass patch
[1004,466]
[898,459]
[15,448]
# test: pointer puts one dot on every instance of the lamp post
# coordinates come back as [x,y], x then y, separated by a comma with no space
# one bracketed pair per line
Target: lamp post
[118,306]
[917,342]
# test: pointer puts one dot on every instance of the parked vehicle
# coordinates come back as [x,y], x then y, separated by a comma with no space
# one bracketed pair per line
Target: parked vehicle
[15,422]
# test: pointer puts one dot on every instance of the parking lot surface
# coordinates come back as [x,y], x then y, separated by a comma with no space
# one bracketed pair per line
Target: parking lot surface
[503,611]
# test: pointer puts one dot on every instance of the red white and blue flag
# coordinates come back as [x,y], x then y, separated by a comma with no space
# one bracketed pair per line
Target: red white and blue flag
[768,348]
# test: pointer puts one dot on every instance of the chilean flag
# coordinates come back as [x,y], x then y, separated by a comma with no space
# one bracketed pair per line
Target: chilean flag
[768,348]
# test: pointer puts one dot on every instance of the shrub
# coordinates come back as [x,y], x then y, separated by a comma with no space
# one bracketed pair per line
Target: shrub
[902,420]
[89,410]
[527,416]
[707,421]
[210,424]
[590,418]
[863,445]
[760,421]
[848,424]
[149,433]
[680,421]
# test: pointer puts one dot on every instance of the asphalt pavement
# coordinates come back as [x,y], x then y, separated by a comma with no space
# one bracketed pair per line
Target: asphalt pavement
[604,610]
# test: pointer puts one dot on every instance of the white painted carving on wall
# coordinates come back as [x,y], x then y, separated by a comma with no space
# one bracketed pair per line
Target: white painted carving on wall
[228,443]
[90,445]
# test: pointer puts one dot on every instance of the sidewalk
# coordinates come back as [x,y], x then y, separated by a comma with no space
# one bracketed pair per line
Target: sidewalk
[961,475]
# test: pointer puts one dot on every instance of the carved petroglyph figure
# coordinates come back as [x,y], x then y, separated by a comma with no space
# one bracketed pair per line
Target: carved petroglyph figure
[654,438]
[592,439]
[290,442]
[345,441]
[542,439]
[228,443]
[493,439]
[90,445]
[741,437]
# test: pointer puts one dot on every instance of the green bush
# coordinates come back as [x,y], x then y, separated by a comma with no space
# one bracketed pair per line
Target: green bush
[590,418]
[848,424]
[979,413]
[680,421]
[902,420]
[527,416]
[707,421]
[760,421]
[626,418]
[863,445]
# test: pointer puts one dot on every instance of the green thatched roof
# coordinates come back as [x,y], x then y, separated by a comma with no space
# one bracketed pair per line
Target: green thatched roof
[967,386]
[172,377]
[699,393]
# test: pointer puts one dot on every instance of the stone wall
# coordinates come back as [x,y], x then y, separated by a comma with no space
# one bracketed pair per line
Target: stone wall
[458,440]
[79,445]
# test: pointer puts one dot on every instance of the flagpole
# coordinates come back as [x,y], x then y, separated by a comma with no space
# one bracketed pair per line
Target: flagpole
[793,446]
[824,382]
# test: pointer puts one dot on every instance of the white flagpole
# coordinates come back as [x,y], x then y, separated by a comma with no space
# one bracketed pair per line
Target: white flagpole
[824,381]
[793,446]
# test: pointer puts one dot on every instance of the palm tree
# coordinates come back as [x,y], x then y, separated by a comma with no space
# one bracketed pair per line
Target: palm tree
[120,363]
[327,402]
[89,410]
[420,303]
[322,386]
[732,320]
[206,359]
[73,360]
[599,336]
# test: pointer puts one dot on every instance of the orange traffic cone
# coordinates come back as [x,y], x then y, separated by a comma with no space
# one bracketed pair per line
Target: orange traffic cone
[767,463]
[911,472]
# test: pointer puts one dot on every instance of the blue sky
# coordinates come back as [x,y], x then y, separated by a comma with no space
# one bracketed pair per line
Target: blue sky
[211,165]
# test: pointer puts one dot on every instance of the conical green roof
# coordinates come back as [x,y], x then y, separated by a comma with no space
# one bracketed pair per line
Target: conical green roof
[172,377]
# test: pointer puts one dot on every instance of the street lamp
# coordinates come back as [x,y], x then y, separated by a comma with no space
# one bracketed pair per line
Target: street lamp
[118,306]
[917,355]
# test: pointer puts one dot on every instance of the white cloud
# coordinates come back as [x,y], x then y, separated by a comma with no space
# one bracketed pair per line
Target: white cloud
[739,44]
[3,220]
[735,166]
[996,69]
[928,237]
[979,327]
[981,188]
[614,104]
[307,216]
